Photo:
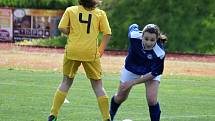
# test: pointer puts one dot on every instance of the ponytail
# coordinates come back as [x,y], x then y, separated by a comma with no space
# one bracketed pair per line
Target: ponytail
[162,38]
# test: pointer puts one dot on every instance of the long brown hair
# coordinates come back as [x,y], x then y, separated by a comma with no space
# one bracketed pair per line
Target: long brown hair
[152,28]
[89,3]
[163,38]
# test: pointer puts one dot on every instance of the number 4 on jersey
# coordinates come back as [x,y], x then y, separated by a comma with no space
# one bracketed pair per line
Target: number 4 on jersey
[87,22]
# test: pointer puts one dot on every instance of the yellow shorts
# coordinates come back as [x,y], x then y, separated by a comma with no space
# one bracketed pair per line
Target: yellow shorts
[92,69]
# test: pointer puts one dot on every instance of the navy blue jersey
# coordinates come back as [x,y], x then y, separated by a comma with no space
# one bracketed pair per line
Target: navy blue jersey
[140,61]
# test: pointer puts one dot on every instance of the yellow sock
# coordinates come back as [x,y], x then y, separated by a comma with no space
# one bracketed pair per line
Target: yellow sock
[57,101]
[104,107]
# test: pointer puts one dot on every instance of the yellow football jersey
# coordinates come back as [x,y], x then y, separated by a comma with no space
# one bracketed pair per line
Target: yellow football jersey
[82,43]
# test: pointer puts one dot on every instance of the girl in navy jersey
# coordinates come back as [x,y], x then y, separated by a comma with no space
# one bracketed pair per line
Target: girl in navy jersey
[144,64]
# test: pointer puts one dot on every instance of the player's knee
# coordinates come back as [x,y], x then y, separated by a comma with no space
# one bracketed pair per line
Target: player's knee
[120,98]
[152,100]
[67,80]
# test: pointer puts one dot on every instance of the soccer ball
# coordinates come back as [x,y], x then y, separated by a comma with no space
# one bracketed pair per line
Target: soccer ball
[127,120]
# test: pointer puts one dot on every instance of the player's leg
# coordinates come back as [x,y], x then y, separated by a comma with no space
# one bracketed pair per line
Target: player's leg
[122,94]
[118,99]
[69,69]
[59,97]
[93,71]
[102,98]
[151,96]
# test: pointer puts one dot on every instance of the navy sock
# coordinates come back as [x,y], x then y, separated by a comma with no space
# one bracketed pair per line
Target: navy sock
[155,112]
[113,108]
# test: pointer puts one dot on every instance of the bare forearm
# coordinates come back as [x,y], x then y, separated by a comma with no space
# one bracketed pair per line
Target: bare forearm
[143,79]
[103,44]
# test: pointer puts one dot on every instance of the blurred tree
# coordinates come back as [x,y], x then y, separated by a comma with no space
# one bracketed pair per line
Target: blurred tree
[189,24]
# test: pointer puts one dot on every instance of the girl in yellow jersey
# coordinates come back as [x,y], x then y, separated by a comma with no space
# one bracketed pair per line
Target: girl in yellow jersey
[82,24]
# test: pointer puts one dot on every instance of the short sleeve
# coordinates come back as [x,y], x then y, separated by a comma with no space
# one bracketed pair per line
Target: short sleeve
[64,22]
[104,24]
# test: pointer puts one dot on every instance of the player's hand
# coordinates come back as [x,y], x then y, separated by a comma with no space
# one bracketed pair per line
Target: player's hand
[101,53]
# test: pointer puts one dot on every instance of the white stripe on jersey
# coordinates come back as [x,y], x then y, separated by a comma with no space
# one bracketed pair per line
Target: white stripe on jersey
[136,34]
[159,51]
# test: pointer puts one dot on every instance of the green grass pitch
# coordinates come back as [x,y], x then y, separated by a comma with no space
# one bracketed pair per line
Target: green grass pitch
[27,96]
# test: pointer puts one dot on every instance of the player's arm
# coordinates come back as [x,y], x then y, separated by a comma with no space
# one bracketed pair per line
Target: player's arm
[64,25]
[103,44]
[156,69]
[143,79]
[106,31]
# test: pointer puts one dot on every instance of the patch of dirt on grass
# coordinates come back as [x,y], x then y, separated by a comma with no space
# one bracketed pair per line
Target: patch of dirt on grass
[35,58]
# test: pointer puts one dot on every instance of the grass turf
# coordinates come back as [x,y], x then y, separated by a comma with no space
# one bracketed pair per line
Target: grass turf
[26,95]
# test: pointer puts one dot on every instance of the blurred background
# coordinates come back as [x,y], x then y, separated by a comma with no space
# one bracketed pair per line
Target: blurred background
[189,24]
[31,59]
